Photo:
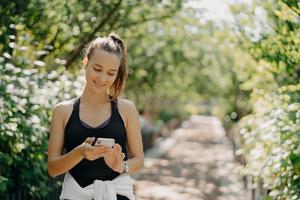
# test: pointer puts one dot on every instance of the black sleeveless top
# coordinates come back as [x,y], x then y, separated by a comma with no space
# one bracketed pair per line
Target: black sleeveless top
[85,172]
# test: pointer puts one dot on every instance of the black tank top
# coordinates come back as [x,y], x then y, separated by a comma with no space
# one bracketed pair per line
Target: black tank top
[85,172]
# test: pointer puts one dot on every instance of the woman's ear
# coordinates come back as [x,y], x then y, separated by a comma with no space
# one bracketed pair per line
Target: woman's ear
[85,61]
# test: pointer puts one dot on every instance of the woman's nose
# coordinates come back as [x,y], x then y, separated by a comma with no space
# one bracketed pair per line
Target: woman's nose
[103,78]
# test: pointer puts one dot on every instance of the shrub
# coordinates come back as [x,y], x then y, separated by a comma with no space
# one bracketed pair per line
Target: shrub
[26,101]
[271,142]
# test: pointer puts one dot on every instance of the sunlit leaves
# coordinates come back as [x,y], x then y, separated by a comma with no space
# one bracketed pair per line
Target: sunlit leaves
[26,100]
[271,133]
[271,137]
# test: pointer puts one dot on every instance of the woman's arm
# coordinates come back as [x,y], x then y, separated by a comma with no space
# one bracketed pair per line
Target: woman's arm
[134,139]
[58,163]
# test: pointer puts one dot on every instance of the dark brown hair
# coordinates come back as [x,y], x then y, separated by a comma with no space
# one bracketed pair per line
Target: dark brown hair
[111,44]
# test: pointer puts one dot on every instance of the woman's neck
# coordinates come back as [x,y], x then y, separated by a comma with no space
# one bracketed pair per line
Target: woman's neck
[91,98]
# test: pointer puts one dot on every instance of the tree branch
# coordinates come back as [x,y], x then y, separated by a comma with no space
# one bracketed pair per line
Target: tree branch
[297,11]
[51,43]
[76,52]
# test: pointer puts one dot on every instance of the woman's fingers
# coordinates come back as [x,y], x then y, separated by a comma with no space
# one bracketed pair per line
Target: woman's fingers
[117,147]
[87,143]
[101,150]
[89,140]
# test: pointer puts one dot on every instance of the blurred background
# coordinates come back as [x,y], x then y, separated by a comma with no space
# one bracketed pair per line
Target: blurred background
[236,61]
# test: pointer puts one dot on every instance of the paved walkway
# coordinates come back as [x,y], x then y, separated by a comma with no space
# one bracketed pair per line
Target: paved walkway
[196,163]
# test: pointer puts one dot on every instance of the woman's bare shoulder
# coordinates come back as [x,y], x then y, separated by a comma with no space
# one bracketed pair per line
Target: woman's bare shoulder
[64,106]
[126,105]
[64,109]
[127,109]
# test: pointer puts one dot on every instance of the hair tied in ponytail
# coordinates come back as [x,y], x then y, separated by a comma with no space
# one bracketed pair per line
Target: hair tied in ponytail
[116,39]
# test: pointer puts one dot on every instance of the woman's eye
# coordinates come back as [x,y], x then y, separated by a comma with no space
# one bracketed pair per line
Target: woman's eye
[111,74]
[97,70]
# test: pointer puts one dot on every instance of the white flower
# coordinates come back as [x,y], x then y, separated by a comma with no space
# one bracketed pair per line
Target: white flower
[7,55]
[39,63]
[35,119]
[10,87]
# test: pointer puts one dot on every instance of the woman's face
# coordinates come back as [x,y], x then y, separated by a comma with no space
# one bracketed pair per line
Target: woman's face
[101,70]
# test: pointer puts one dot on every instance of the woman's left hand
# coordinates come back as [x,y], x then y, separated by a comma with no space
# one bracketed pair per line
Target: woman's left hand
[114,159]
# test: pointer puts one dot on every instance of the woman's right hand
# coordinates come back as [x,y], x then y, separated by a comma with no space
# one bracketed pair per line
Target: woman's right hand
[90,152]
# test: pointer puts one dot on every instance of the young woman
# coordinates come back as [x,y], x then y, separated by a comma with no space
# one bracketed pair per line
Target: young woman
[96,171]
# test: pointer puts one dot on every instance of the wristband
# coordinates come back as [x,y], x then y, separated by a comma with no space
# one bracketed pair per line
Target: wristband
[126,168]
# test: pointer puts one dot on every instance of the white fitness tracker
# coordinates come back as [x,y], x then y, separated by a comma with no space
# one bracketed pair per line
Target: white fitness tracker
[126,168]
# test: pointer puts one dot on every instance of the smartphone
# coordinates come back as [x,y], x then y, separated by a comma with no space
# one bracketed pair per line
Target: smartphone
[106,141]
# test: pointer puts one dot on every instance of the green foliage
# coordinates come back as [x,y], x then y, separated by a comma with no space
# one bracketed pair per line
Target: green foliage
[272,139]
[26,101]
[56,32]
[167,115]
[271,133]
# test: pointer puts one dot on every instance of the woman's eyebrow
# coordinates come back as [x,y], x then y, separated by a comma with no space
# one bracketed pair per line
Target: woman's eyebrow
[102,67]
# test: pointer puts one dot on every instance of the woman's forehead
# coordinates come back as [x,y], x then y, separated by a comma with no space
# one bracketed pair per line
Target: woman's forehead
[105,59]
